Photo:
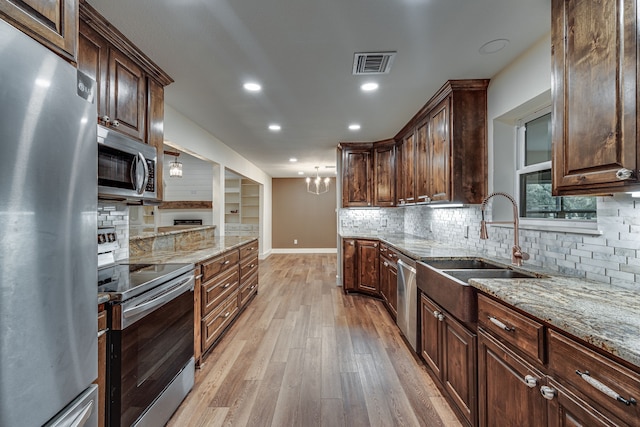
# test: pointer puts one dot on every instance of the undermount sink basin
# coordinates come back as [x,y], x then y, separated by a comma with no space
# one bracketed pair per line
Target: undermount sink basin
[503,273]
[462,264]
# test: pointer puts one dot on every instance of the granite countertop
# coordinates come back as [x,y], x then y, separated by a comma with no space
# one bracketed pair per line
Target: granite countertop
[604,315]
[197,253]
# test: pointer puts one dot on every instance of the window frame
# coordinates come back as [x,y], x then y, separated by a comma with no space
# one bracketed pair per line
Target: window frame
[571,225]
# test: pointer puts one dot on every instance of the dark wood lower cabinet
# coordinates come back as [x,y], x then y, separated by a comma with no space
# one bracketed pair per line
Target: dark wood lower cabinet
[567,410]
[360,258]
[509,387]
[389,285]
[449,349]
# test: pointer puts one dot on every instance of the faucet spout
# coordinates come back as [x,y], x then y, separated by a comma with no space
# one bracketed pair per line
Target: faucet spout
[517,254]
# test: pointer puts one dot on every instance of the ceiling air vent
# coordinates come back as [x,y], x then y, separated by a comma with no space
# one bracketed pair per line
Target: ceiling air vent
[372,62]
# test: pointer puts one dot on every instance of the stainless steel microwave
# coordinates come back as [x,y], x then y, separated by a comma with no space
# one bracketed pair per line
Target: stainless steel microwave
[126,168]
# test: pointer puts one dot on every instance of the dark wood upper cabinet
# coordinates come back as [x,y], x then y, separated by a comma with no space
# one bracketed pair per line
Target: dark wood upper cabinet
[53,23]
[594,95]
[130,97]
[443,149]
[356,174]
[384,174]
[127,103]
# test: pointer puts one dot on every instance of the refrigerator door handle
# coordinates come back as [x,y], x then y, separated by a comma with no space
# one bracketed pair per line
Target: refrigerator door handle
[84,415]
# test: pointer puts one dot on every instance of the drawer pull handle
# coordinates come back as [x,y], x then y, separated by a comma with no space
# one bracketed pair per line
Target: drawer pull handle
[226,262]
[253,287]
[252,265]
[227,314]
[500,325]
[624,174]
[438,315]
[386,264]
[227,285]
[604,389]
[547,392]
[530,381]
[199,276]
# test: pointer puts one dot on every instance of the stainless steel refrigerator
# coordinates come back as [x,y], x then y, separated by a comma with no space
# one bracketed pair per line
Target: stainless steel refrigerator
[48,220]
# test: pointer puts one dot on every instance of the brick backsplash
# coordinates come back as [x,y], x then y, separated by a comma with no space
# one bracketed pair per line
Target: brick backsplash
[116,215]
[613,257]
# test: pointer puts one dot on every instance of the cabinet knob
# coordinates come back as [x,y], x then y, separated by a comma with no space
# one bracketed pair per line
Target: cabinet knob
[438,315]
[530,381]
[624,174]
[115,123]
[547,392]
[386,264]
[105,119]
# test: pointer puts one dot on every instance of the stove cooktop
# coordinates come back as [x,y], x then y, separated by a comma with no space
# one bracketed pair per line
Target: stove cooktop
[124,281]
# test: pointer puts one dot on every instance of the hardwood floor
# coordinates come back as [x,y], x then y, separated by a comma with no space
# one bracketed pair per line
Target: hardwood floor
[305,354]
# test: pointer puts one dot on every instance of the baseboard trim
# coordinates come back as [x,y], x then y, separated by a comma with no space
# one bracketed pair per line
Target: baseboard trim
[305,251]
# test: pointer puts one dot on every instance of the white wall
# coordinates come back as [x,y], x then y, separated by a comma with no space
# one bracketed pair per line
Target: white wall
[517,90]
[186,135]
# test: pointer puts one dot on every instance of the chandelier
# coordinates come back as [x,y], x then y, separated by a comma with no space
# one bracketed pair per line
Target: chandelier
[175,167]
[318,185]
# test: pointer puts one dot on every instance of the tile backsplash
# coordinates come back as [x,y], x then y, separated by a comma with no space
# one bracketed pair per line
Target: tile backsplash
[611,257]
[116,215]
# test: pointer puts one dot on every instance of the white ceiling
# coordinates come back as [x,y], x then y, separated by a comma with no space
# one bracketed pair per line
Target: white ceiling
[301,51]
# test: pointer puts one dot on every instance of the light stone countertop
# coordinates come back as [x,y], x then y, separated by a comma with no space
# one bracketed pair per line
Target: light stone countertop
[604,315]
[198,252]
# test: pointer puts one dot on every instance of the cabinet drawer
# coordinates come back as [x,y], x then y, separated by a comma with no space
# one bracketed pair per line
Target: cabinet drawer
[567,357]
[217,289]
[216,265]
[248,267]
[214,323]
[248,288]
[388,252]
[249,250]
[524,334]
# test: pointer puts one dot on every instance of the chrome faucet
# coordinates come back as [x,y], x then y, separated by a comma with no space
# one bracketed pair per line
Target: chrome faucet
[517,255]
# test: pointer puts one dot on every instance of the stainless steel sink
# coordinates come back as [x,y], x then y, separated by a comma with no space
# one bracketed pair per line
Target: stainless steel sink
[462,263]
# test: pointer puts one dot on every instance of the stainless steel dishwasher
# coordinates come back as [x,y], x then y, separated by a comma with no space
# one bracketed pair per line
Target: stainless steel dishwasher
[407,318]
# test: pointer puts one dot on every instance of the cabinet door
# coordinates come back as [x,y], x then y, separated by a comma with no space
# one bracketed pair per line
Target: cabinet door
[567,410]
[349,265]
[431,336]
[408,168]
[509,387]
[392,274]
[440,152]
[356,177]
[127,96]
[155,128]
[53,23]
[384,280]
[594,66]
[459,368]
[384,183]
[368,264]
[93,60]
[422,163]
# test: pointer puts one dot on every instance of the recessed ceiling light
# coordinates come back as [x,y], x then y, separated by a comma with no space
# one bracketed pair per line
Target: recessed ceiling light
[369,87]
[252,87]
[300,173]
[493,46]
[293,160]
[354,126]
[274,127]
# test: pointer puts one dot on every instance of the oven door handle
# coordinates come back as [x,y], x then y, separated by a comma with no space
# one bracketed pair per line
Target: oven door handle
[168,295]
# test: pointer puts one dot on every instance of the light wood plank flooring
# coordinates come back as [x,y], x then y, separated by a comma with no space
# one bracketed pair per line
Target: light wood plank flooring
[305,354]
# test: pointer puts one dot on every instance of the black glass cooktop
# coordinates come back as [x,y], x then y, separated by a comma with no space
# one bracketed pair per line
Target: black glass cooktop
[125,281]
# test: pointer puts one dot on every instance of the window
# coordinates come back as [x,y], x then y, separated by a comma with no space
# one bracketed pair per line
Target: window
[534,175]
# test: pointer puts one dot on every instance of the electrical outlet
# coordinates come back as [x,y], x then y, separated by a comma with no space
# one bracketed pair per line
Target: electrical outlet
[295,241]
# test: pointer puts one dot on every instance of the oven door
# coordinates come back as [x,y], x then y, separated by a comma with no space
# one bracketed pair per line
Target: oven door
[147,354]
